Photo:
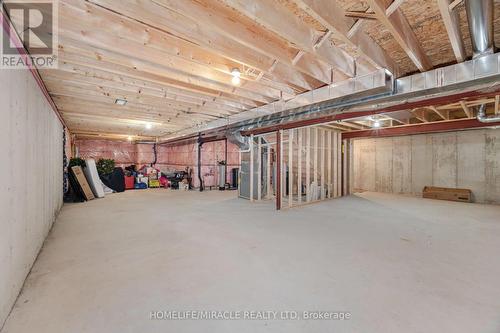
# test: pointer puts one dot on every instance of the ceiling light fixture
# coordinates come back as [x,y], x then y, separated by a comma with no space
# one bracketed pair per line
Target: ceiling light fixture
[149,126]
[120,101]
[236,76]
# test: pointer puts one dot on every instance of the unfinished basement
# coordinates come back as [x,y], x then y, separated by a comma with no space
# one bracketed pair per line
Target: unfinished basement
[250,166]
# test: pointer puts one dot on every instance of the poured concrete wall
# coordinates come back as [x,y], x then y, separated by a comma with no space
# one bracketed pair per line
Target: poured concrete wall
[463,159]
[31,178]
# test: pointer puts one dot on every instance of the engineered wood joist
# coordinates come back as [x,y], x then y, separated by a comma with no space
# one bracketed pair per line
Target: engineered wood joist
[172,60]
[400,29]
[139,101]
[331,15]
[153,22]
[210,28]
[361,15]
[130,38]
[125,67]
[274,17]
[452,22]
[76,73]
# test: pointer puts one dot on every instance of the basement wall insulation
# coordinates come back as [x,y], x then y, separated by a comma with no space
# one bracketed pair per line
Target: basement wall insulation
[170,157]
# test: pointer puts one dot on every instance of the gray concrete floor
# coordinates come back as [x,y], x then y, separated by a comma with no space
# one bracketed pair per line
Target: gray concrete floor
[397,264]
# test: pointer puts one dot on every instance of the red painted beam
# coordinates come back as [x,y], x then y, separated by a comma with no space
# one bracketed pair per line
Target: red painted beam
[439,126]
[441,100]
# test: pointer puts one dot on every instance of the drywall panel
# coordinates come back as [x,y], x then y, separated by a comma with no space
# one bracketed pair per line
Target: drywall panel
[31,178]
[463,159]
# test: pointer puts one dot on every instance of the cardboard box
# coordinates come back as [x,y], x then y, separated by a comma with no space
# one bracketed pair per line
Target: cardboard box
[82,181]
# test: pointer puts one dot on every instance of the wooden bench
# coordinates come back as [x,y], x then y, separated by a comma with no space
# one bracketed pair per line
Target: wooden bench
[443,193]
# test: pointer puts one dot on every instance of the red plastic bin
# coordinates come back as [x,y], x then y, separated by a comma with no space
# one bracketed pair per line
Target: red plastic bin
[129,182]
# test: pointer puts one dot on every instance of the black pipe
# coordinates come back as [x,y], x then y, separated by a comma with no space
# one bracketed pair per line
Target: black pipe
[155,154]
[225,165]
[200,145]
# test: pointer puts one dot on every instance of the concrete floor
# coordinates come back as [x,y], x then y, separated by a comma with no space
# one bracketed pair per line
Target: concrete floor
[397,264]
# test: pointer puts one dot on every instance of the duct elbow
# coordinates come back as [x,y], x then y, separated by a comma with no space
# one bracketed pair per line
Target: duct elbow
[483,118]
[236,138]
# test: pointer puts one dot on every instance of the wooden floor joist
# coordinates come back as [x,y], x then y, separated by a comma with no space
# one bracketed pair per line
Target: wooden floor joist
[173,61]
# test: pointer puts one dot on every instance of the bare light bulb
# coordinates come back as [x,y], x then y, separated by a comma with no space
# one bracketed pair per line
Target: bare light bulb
[236,80]
[236,76]
[376,124]
[149,126]
[129,138]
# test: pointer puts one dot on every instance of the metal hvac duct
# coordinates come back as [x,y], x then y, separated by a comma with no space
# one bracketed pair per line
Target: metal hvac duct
[481,115]
[480,17]
[236,138]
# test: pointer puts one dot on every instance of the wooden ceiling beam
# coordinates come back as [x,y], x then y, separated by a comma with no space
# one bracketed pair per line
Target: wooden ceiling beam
[175,121]
[81,104]
[337,126]
[278,19]
[454,4]
[400,29]
[76,78]
[128,121]
[331,16]
[351,125]
[97,125]
[150,110]
[445,115]
[110,61]
[393,6]
[421,115]
[133,39]
[217,17]
[122,66]
[468,112]
[109,136]
[497,102]
[176,118]
[213,39]
[159,20]
[134,99]
[401,121]
[361,15]
[452,23]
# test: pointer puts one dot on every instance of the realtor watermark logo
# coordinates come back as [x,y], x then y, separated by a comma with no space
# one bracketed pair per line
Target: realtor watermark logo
[32,26]
[266,315]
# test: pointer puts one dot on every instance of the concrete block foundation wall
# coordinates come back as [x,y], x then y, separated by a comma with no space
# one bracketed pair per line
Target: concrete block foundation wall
[463,159]
[31,178]
[169,158]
